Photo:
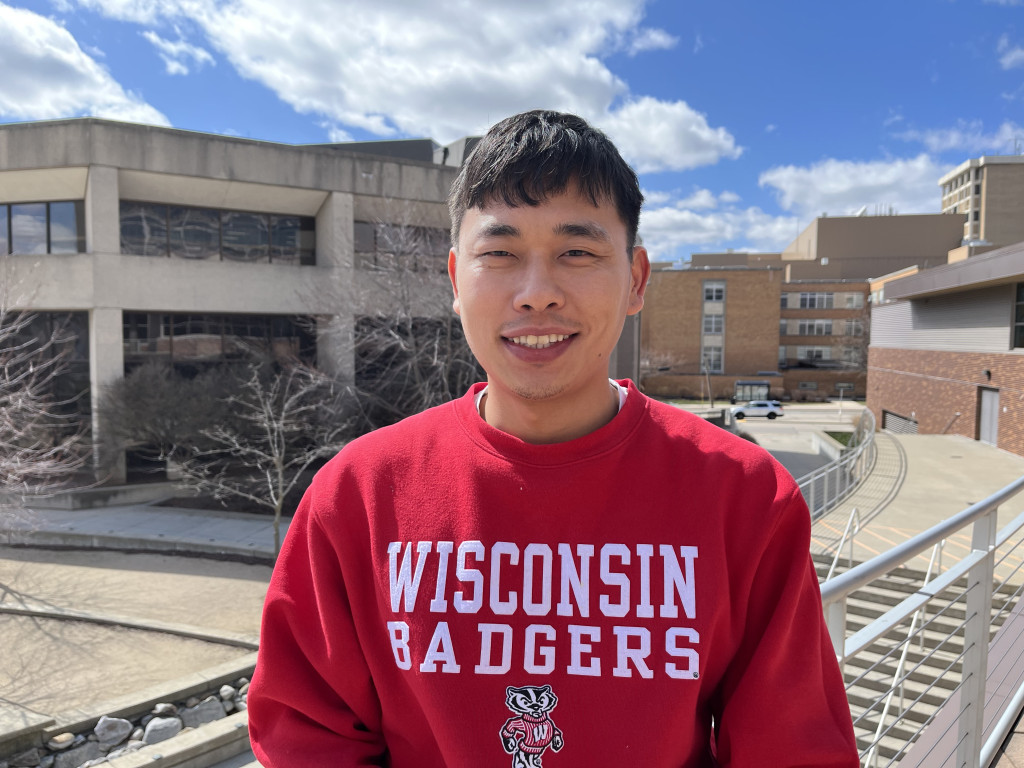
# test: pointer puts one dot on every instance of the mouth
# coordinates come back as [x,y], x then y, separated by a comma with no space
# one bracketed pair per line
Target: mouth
[538,342]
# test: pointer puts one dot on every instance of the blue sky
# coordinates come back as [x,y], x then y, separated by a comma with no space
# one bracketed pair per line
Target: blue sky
[745,119]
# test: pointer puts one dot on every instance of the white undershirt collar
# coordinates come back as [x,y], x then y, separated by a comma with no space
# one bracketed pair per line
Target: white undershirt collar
[614,384]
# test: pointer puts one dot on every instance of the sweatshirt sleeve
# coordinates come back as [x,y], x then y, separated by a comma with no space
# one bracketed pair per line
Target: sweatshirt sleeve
[782,701]
[312,701]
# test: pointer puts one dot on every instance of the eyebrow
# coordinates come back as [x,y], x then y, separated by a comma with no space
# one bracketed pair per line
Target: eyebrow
[587,229]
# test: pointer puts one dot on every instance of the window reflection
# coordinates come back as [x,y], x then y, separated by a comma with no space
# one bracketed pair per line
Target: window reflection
[4,224]
[194,233]
[67,227]
[143,229]
[28,228]
[245,236]
[293,240]
[149,229]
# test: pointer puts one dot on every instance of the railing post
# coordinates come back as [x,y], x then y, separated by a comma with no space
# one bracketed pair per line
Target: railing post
[976,631]
[835,621]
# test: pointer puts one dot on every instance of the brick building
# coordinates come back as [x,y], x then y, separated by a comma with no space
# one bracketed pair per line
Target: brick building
[947,351]
[710,326]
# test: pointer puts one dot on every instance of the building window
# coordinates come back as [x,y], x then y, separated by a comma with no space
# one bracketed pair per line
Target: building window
[32,228]
[815,328]
[1018,318]
[149,229]
[854,328]
[712,359]
[784,301]
[714,323]
[714,290]
[807,385]
[814,353]
[396,246]
[853,300]
[196,341]
[816,300]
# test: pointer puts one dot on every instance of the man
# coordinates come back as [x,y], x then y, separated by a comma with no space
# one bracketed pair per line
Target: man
[553,568]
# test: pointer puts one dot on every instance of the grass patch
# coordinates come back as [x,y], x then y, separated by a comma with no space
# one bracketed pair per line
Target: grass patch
[841,437]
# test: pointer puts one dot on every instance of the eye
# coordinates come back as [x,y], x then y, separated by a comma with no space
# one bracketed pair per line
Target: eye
[578,253]
[497,255]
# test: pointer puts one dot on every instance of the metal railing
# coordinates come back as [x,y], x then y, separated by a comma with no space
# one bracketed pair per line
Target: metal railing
[826,487]
[950,616]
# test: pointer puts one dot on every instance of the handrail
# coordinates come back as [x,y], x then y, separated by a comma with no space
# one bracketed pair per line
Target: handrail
[853,521]
[846,473]
[845,583]
[966,729]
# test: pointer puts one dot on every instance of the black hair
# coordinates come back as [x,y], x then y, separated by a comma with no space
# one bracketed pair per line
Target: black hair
[527,157]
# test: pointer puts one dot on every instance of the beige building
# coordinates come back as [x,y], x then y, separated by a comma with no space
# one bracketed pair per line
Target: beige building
[989,192]
[181,247]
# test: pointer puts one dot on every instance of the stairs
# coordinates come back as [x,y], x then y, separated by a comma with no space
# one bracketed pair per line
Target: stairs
[932,667]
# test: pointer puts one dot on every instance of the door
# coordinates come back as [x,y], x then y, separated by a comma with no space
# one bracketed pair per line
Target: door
[988,418]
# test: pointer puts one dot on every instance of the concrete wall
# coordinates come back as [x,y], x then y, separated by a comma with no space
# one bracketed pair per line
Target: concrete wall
[862,247]
[1002,204]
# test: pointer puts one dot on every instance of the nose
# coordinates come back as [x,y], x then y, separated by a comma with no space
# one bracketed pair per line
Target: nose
[539,289]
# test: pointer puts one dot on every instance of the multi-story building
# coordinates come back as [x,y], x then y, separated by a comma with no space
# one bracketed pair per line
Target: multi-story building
[186,247]
[947,351]
[735,327]
[821,284]
[704,328]
[989,191]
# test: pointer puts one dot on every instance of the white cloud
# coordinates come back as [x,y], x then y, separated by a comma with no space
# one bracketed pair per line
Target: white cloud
[1005,2]
[414,68]
[656,135]
[843,186]
[1009,56]
[175,55]
[46,75]
[672,233]
[966,137]
[771,128]
[698,45]
[647,39]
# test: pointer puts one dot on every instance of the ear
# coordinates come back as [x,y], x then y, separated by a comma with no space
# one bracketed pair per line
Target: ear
[455,283]
[640,272]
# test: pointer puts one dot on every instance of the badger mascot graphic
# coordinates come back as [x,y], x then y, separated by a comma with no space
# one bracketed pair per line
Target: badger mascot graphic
[528,734]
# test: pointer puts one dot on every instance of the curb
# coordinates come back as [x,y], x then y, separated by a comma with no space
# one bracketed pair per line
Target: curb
[207,745]
[67,540]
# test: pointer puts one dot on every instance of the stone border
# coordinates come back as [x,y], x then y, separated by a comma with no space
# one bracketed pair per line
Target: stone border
[129,705]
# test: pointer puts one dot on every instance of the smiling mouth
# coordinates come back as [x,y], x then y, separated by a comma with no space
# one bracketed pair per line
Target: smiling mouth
[538,342]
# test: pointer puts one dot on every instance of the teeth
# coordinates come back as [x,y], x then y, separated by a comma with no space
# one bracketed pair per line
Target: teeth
[539,342]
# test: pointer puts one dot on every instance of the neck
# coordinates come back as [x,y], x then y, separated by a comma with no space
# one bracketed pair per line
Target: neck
[550,420]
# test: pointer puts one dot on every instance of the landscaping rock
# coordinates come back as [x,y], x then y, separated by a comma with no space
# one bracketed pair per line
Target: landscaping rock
[204,712]
[74,758]
[227,693]
[27,759]
[60,742]
[111,731]
[165,709]
[161,728]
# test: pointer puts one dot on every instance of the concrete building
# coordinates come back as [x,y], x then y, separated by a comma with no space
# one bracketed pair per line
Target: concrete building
[989,192]
[174,245]
[947,351]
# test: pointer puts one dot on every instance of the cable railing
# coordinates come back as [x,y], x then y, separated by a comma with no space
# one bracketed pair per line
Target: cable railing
[925,687]
[828,486]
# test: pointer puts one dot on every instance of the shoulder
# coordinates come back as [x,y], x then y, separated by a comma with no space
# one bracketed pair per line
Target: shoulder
[676,439]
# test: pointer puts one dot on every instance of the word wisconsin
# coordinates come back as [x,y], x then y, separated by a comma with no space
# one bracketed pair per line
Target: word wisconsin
[567,584]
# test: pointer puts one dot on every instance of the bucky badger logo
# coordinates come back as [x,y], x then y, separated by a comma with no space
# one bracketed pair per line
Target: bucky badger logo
[528,734]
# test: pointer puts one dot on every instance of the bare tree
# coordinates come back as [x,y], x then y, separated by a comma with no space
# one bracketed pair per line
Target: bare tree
[43,437]
[407,344]
[283,423]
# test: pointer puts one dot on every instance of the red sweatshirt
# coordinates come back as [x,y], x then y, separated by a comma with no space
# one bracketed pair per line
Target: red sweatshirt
[449,595]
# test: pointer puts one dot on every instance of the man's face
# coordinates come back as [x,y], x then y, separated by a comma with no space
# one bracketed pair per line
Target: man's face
[543,292]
